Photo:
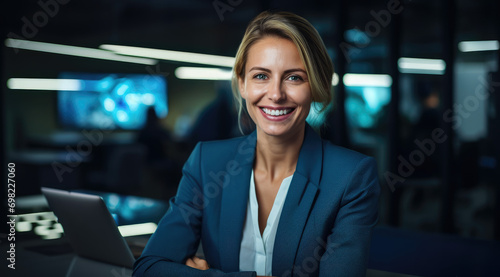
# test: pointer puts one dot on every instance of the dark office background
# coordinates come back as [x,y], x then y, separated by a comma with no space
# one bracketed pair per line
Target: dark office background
[435,133]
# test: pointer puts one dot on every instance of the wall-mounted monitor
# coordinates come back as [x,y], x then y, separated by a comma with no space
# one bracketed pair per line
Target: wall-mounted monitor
[111,101]
[365,105]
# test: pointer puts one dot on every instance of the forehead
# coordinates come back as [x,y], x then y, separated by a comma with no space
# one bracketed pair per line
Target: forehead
[274,52]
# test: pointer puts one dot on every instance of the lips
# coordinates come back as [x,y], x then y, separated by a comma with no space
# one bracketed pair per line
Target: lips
[275,113]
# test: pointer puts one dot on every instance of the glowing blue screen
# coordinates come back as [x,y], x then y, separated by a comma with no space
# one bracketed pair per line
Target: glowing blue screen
[364,105]
[111,101]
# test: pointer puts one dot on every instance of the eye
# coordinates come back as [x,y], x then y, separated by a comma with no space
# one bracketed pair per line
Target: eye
[260,76]
[295,78]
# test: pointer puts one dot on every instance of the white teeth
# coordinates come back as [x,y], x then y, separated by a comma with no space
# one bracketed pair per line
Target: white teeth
[276,112]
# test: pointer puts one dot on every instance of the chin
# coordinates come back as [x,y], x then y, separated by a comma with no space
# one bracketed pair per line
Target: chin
[279,131]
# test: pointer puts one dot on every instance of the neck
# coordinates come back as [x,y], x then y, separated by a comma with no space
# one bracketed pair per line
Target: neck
[276,157]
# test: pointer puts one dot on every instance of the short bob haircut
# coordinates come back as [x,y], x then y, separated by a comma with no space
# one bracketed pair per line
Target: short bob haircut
[311,48]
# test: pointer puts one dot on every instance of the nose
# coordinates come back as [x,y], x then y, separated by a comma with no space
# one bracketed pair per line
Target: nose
[276,92]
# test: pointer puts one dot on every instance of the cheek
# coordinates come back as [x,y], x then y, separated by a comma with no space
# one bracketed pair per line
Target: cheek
[307,109]
[301,95]
[250,110]
[254,91]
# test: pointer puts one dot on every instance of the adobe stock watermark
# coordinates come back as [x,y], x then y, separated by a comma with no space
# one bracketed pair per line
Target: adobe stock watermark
[312,263]
[373,28]
[75,156]
[48,9]
[155,71]
[222,7]
[153,74]
[427,147]
[219,180]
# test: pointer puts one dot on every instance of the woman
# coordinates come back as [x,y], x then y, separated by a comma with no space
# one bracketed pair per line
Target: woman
[280,201]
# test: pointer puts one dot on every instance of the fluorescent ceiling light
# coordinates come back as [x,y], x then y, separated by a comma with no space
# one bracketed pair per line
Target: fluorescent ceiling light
[475,46]
[45,84]
[203,73]
[421,66]
[74,51]
[335,79]
[367,80]
[170,55]
[137,229]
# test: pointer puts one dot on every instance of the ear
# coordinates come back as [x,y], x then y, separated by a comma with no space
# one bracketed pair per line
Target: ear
[241,87]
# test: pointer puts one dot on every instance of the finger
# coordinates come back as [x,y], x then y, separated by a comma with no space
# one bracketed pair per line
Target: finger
[200,263]
[196,259]
[190,263]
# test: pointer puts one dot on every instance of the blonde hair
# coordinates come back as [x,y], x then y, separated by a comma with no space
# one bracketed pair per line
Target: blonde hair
[311,48]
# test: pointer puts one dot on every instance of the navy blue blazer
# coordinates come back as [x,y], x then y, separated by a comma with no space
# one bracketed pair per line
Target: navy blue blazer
[325,226]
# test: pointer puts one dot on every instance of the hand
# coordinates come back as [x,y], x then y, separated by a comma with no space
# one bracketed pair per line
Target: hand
[197,263]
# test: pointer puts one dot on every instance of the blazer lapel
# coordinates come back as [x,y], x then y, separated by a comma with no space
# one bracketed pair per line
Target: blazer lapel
[234,206]
[299,201]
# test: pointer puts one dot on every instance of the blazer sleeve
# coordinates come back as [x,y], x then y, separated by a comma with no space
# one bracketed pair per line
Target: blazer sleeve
[178,234]
[348,244]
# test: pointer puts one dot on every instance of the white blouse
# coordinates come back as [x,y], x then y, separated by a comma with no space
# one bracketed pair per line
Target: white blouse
[256,251]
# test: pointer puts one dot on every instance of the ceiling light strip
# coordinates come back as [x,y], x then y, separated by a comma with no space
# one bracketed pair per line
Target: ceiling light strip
[45,84]
[170,55]
[367,80]
[421,66]
[74,51]
[477,46]
[202,73]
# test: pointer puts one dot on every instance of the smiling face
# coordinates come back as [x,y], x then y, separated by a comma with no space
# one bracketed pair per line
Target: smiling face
[276,87]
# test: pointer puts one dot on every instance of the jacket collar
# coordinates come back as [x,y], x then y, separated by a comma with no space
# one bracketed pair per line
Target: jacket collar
[234,205]
[310,163]
[299,200]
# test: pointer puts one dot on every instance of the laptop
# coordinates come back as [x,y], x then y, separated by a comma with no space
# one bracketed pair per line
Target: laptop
[89,227]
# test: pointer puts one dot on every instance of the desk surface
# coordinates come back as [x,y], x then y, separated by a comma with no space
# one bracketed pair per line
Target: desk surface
[53,258]
[429,254]
[54,261]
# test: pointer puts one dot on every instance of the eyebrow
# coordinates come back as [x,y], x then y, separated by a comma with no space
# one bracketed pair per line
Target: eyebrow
[269,71]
